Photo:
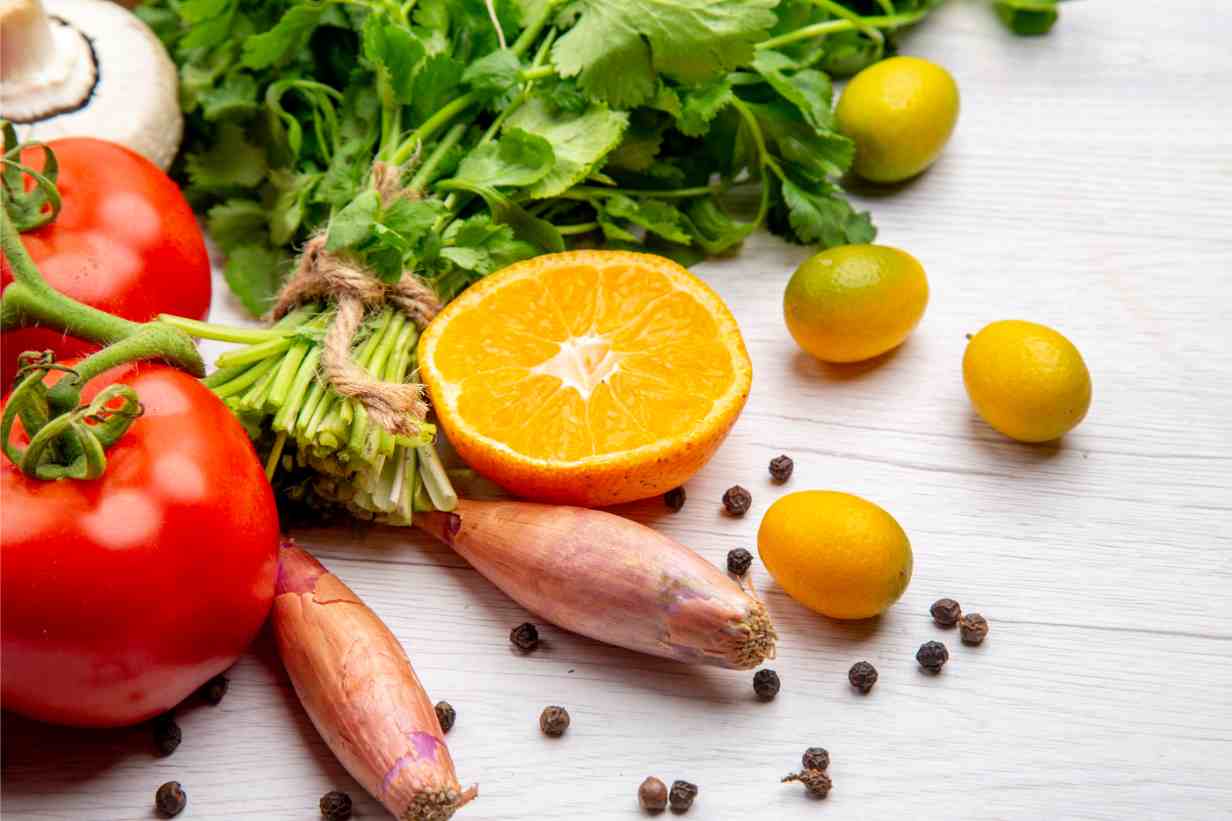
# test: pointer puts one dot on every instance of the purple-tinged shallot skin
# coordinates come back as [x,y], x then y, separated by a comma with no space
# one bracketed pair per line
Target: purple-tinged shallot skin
[611,579]
[357,685]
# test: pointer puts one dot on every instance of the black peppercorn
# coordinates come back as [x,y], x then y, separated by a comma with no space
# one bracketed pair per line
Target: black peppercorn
[335,806]
[766,684]
[167,734]
[737,500]
[446,715]
[214,689]
[974,628]
[682,795]
[738,561]
[815,758]
[781,468]
[932,656]
[945,612]
[170,799]
[674,499]
[554,721]
[525,637]
[652,795]
[816,781]
[862,676]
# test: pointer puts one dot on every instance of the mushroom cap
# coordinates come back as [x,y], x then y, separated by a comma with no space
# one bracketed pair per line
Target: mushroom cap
[135,99]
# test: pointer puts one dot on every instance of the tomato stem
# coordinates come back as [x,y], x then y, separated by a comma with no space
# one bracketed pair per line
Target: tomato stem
[66,440]
[29,300]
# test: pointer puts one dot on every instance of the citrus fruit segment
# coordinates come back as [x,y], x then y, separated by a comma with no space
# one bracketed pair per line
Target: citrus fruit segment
[588,377]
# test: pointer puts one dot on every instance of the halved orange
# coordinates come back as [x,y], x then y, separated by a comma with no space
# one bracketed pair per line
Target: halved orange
[588,377]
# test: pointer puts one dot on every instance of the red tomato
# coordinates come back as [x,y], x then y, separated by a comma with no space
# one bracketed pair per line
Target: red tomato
[125,242]
[122,595]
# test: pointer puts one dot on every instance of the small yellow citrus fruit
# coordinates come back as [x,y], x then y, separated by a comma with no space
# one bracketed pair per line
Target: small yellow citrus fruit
[1026,380]
[900,114]
[835,553]
[853,302]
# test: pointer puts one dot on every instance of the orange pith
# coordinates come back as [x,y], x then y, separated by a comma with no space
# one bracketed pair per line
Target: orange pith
[588,377]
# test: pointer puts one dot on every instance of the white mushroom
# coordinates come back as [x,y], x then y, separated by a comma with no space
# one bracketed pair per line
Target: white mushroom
[87,68]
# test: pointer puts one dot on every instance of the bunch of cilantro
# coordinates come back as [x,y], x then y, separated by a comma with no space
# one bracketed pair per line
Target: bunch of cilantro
[517,127]
[523,126]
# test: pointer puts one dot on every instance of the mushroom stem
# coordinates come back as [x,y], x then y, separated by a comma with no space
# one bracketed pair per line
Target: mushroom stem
[47,65]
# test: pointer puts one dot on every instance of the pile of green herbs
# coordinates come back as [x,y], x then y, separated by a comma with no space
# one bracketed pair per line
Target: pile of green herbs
[515,127]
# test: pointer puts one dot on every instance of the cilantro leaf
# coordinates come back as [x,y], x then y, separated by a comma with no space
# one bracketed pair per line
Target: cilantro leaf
[210,20]
[618,49]
[353,223]
[348,167]
[394,52]
[848,52]
[437,80]
[818,154]
[477,244]
[817,213]
[493,75]
[412,218]
[565,95]
[713,230]
[642,141]
[235,97]
[198,11]
[287,37]
[578,141]
[808,90]
[656,216]
[287,213]
[198,75]
[518,158]
[236,222]
[231,161]
[698,106]
[254,273]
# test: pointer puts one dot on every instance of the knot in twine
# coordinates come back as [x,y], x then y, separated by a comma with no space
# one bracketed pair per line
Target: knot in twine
[396,407]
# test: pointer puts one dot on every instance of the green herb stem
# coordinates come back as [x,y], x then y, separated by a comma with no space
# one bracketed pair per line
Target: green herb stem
[827,27]
[578,228]
[271,463]
[296,395]
[585,192]
[255,353]
[433,124]
[763,160]
[424,174]
[435,479]
[245,380]
[847,14]
[536,25]
[221,333]
[255,398]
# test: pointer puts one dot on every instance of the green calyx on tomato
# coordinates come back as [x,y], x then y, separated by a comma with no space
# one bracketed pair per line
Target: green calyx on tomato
[67,440]
[40,205]
[81,436]
[123,240]
[52,415]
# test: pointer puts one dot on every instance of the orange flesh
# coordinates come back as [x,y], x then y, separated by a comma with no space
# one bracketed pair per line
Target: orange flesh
[585,361]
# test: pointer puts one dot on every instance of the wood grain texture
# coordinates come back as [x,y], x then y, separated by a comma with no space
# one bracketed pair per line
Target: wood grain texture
[1089,187]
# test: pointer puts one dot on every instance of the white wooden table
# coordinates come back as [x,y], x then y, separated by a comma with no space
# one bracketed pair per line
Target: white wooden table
[1089,187]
